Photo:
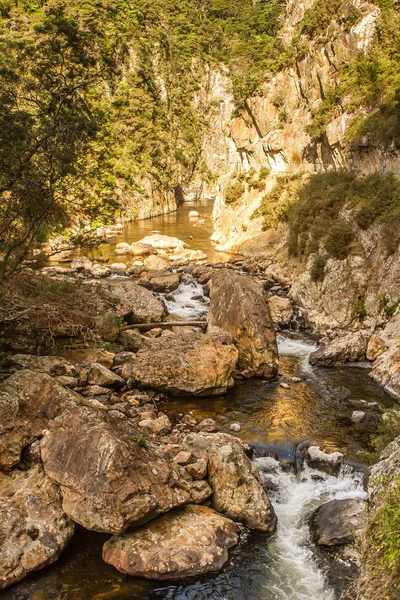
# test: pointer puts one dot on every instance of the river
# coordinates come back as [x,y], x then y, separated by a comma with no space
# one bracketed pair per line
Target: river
[275,420]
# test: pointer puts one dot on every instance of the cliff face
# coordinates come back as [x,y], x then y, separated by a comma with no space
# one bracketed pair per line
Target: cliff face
[270,130]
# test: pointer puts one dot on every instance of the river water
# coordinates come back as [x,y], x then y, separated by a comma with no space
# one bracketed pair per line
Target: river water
[275,420]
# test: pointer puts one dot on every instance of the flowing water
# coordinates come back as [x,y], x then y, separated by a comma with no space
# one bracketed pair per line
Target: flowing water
[274,420]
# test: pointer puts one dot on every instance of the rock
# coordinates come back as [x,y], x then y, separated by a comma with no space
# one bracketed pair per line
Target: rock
[348,348]
[237,489]
[155,263]
[335,523]
[376,347]
[208,425]
[386,371]
[122,249]
[139,249]
[193,364]
[28,401]
[100,375]
[81,263]
[118,268]
[235,427]
[66,381]
[160,426]
[100,271]
[134,303]
[319,459]
[193,214]
[160,281]
[182,458]
[123,357]
[184,256]
[163,242]
[357,416]
[52,365]
[281,310]
[132,340]
[87,356]
[108,480]
[189,541]
[198,469]
[33,527]
[199,491]
[237,305]
[284,385]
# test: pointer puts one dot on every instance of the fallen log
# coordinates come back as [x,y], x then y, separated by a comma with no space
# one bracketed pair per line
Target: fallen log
[149,326]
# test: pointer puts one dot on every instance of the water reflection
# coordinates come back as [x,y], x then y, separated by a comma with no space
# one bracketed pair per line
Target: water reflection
[177,224]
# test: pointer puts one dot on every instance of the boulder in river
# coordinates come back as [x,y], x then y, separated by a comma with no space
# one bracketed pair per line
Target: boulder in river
[238,306]
[155,263]
[237,489]
[190,364]
[335,523]
[160,281]
[351,347]
[163,242]
[188,541]
[33,526]
[28,401]
[109,479]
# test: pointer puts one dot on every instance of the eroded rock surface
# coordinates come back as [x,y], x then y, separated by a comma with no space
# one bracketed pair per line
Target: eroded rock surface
[33,526]
[351,347]
[28,401]
[193,363]
[188,541]
[133,302]
[108,480]
[238,306]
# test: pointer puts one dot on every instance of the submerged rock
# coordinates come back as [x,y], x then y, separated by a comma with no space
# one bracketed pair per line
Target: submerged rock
[329,462]
[109,481]
[349,348]
[337,522]
[186,542]
[33,526]
[28,401]
[238,306]
[193,363]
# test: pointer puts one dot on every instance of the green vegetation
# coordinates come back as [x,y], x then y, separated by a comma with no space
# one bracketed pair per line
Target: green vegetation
[315,215]
[317,270]
[387,308]
[317,19]
[234,191]
[381,556]
[111,326]
[142,441]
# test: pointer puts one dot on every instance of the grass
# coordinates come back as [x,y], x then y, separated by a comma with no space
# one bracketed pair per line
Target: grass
[234,191]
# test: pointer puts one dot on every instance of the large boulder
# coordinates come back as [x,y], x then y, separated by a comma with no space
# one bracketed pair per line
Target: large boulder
[193,363]
[155,263]
[109,480]
[335,523]
[160,281]
[386,371]
[163,242]
[348,348]
[238,306]
[33,526]
[133,302]
[186,542]
[237,489]
[281,310]
[28,401]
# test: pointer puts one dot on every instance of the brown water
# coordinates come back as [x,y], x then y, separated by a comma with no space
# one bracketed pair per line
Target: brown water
[318,410]
[176,224]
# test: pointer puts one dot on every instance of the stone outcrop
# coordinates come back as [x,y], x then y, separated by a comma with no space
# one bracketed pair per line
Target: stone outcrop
[238,306]
[237,489]
[186,542]
[108,480]
[349,348]
[336,523]
[190,364]
[52,365]
[386,371]
[281,310]
[28,401]
[33,526]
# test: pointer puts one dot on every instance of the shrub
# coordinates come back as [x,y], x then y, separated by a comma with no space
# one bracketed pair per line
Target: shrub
[234,192]
[339,236]
[317,270]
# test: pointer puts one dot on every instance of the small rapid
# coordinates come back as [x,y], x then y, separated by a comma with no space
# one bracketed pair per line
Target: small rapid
[188,301]
[293,572]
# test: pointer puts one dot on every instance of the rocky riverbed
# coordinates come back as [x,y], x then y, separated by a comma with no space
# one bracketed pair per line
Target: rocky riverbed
[104,427]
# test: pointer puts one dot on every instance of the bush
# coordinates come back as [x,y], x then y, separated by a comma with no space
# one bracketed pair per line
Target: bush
[317,270]
[339,236]
[234,192]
